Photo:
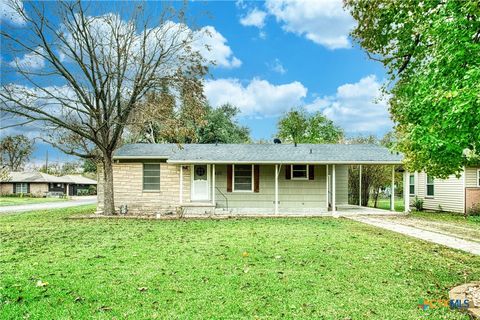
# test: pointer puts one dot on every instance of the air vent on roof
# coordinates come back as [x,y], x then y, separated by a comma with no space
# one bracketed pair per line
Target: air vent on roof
[277,141]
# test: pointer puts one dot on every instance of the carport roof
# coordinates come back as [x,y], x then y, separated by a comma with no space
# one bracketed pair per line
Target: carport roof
[261,153]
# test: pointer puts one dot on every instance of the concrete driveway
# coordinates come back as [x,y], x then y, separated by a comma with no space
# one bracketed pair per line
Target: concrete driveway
[79,201]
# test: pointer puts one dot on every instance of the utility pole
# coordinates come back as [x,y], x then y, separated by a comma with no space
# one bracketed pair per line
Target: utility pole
[46,163]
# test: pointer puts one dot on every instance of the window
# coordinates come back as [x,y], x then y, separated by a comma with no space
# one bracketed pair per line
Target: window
[412,184]
[21,188]
[243,177]
[299,171]
[151,177]
[430,186]
[478,178]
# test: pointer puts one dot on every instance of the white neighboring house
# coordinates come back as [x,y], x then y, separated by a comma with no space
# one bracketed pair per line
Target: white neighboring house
[455,194]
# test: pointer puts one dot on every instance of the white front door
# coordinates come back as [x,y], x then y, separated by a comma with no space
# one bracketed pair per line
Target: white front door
[200,182]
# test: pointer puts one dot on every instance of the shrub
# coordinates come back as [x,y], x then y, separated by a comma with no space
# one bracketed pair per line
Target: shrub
[474,210]
[418,204]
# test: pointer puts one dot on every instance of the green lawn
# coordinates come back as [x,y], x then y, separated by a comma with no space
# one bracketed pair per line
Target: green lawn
[239,268]
[12,201]
[385,204]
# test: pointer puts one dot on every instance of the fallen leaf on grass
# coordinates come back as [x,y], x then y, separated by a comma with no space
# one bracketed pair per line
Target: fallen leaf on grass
[245,254]
[104,308]
[40,283]
[142,289]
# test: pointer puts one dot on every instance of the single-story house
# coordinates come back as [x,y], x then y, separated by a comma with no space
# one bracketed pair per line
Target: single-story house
[40,184]
[250,178]
[454,194]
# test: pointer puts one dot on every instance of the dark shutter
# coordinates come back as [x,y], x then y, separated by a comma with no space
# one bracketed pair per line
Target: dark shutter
[288,172]
[311,172]
[14,188]
[28,187]
[229,178]
[256,178]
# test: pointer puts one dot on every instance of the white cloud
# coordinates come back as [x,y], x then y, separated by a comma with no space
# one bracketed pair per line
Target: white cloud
[358,107]
[254,18]
[324,22]
[9,14]
[258,97]
[213,46]
[30,61]
[277,67]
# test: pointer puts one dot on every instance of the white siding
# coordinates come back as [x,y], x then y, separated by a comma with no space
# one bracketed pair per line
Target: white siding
[448,193]
[471,177]
[292,193]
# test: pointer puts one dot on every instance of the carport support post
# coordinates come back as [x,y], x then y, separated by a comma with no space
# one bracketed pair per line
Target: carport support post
[360,187]
[276,189]
[334,207]
[181,184]
[392,191]
[213,185]
[406,190]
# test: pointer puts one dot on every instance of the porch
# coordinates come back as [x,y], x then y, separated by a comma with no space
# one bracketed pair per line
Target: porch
[297,189]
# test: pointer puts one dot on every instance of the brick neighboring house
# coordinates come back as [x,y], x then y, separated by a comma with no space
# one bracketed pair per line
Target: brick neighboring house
[40,184]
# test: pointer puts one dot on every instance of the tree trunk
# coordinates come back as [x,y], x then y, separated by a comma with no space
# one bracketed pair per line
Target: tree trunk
[376,197]
[108,202]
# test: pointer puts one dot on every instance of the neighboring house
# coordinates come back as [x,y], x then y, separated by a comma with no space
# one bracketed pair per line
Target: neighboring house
[40,184]
[35,183]
[249,178]
[455,194]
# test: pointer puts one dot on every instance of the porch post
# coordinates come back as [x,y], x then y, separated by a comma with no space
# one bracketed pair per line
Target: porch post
[213,185]
[360,187]
[392,193]
[181,184]
[406,190]
[334,209]
[276,189]
[326,186]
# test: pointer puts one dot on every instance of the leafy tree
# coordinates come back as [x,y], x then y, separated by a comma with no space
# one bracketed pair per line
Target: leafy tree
[222,127]
[15,151]
[297,126]
[89,166]
[432,53]
[104,68]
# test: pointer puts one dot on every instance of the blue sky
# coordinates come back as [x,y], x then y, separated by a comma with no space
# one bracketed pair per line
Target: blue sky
[272,56]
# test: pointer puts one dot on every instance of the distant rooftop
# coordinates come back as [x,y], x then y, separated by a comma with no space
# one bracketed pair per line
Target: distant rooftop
[40,177]
[261,153]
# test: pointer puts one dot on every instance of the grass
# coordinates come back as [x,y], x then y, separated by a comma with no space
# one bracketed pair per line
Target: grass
[13,201]
[239,268]
[385,204]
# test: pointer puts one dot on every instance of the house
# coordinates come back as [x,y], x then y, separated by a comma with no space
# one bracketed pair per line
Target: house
[455,194]
[40,184]
[243,178]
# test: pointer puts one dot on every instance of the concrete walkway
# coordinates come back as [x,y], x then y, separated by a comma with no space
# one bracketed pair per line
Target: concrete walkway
[435,237]
[48,205]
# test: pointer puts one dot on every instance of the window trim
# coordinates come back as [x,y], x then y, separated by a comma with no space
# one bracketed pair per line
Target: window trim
[19,184]
[159,177]
[410,185]
[300,178]
[233,179]
[429,184]
[478,178]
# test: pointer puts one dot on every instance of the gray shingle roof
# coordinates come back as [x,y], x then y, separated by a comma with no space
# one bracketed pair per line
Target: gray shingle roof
[38,177]
[260,153]
[78,179]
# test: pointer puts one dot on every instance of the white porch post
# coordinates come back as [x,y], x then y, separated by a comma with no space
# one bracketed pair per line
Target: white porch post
[276,189]
[213,184]
[334,183]
[392,195]
[360,187]
[406,190]
[181,185]
[326,186]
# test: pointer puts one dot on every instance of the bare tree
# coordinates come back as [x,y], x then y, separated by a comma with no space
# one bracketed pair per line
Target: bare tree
[103,68]
[15,151]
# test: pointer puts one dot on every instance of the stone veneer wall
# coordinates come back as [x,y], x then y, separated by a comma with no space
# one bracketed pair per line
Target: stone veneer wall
[36,189]
[128,189]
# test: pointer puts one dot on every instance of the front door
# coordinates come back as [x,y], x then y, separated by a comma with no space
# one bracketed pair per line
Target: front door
[200,182]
